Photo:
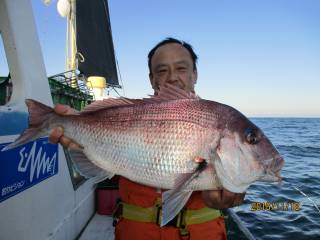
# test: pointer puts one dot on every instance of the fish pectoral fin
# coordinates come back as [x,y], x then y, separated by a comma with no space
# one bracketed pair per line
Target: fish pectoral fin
[172,203]
[186,178]
[174,200]
[86,167]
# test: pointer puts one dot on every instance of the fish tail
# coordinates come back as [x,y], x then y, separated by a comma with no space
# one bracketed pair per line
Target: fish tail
[38,118]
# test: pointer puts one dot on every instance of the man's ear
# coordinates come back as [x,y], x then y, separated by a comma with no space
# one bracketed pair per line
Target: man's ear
[151,79]
[153,83]
[195,72]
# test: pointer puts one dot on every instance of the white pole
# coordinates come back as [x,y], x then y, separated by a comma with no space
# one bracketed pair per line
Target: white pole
[73,35]
[23,52]
[71,46]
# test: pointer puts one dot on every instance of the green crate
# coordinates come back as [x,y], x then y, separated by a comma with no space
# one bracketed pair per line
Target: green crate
[61,93]
[64,94]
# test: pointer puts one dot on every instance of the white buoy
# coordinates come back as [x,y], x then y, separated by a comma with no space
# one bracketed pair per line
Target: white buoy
[63,7]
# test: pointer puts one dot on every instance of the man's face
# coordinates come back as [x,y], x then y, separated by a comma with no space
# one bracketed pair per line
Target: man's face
[172,64]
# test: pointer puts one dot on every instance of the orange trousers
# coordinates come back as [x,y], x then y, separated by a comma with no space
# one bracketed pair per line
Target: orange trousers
[144,196]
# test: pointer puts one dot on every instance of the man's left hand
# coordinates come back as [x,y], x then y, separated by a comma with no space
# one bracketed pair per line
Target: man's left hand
[221,199]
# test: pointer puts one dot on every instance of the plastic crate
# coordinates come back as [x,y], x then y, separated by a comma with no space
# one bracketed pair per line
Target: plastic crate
[65,94]
[107,195]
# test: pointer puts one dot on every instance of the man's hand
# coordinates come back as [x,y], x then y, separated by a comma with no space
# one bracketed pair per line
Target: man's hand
[56,135]
[220,199]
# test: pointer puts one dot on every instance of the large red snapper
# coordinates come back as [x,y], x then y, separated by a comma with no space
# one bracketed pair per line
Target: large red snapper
[156,141]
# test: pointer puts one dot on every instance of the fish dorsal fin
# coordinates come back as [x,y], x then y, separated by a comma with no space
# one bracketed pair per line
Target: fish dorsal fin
[166,93]
[108,103]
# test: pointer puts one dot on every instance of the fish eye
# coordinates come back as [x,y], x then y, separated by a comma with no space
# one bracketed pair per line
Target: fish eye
[251,136]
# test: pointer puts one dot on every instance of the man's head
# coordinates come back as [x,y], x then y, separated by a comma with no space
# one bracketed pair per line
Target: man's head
[173,62]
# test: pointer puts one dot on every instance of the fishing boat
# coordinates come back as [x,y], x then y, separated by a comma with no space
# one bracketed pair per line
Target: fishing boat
[42,196]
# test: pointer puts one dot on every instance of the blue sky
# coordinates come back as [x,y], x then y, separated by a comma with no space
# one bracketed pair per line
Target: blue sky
[261,57]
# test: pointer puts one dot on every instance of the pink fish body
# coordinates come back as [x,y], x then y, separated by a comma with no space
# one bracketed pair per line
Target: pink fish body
[155,142]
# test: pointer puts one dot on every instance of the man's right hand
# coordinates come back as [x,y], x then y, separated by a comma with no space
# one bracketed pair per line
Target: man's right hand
[56,135]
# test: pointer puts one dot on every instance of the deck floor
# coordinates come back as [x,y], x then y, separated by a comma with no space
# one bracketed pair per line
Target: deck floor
[100,227]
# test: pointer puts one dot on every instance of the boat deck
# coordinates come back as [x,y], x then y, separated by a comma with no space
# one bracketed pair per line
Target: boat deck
[99,228]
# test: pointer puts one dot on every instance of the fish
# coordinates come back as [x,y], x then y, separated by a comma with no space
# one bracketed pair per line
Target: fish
[158,141]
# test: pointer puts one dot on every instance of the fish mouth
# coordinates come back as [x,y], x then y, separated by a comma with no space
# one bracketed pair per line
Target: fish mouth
[272,171]
[277,165]
[276,175]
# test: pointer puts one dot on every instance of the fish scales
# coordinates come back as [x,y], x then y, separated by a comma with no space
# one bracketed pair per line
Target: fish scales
[173,141]
[156,141]
[152,144]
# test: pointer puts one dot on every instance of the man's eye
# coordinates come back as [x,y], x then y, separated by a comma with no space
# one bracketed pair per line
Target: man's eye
[181,68]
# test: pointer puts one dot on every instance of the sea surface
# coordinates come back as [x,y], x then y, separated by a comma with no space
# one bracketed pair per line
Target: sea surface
[293,216]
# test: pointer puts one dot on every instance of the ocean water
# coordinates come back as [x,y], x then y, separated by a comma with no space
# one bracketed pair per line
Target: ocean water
[293,215]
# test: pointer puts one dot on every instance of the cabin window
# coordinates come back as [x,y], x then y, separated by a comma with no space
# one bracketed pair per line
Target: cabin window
[5,79]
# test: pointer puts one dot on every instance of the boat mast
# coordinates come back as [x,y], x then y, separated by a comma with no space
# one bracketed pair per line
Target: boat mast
[67,9]
[71,45]
[89,48]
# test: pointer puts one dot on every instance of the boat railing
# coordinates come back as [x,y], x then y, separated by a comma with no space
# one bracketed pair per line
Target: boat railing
[70,88]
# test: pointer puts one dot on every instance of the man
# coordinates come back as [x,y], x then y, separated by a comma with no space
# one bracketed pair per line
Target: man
[170,62]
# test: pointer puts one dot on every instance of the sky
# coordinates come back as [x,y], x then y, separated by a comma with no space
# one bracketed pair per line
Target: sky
[260,56]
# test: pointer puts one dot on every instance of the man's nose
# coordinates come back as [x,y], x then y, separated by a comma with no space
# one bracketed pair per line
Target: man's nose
[173,77]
